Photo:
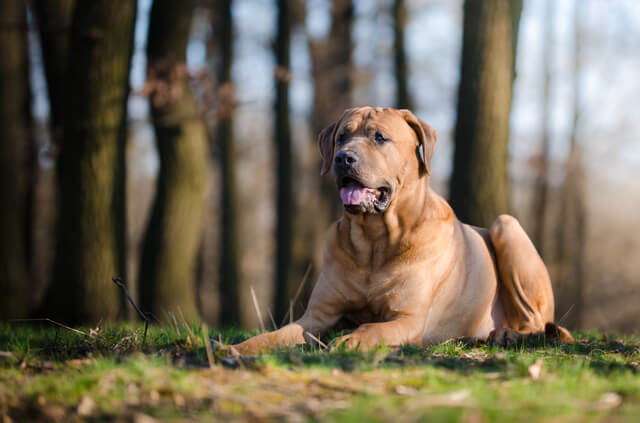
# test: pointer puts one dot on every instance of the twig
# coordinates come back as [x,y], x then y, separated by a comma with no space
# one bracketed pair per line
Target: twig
[315,338]
[118,281]
[46,319]
[186,325]
[207,345]
[566,314]
[289,313]
[255,304]
[273,321]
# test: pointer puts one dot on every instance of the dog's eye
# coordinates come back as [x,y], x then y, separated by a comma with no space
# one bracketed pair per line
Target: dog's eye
[342,137]
[380,138]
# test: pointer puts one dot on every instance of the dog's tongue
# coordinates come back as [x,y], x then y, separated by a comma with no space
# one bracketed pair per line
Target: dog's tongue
[352,194]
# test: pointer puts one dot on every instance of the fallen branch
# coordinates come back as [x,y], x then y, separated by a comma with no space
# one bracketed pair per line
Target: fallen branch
[118,281]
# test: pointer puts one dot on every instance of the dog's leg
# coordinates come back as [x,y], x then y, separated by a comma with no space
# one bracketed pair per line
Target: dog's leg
[403,331]
[525,288]
[324,310]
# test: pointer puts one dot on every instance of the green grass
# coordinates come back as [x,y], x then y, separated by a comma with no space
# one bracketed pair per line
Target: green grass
[48,373]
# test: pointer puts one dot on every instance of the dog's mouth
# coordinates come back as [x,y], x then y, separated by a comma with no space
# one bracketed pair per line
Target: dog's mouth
[358,198]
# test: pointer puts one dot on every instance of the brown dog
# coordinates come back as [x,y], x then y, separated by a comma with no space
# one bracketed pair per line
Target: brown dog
[399,264]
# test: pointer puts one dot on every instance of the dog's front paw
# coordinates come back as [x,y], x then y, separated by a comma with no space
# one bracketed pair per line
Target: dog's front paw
[504,337]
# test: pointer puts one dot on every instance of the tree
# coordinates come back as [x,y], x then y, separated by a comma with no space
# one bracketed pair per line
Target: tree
[14,281]
[91,164]
[54,22]
[541,189]
[479,189]
[173,234]
[53,19]
[572,223]
[403,98]
[283,165]
[332,74]
[229,261]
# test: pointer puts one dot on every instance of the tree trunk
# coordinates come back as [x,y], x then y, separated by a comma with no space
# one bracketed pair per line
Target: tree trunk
[91,165]
[14,281]
[167,267]
[54,26]
[403,98]
[282,138]
[229,262]
[541,189]
[53,18]
[332,73]
[479,183]
[572,223]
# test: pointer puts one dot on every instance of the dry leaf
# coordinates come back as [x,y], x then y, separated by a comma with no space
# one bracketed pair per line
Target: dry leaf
[405,390]
[143,418]
[608,400]
[536,369]
[86,406]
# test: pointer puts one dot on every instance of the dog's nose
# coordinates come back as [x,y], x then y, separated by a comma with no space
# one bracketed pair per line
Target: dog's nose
[346,158]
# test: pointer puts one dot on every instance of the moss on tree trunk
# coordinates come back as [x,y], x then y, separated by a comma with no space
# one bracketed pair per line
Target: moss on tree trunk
[91,164]
[173,233]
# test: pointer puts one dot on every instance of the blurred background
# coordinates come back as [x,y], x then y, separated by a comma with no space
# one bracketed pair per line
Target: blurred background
[173,144]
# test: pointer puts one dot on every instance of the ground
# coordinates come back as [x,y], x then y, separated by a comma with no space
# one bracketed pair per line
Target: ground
[111,373]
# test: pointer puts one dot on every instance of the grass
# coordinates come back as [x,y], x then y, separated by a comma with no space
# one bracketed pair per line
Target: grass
[48,373]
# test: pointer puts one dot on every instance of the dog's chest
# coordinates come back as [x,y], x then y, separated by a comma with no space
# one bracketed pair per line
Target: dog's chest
[379,298]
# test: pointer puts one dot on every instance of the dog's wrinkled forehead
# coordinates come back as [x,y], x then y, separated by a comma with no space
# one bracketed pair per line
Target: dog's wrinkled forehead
[363,120]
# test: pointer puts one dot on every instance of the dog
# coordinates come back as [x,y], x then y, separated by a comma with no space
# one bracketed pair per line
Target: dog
[399,265]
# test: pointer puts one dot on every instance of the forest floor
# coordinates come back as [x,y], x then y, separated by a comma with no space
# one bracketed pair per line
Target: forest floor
[50,373]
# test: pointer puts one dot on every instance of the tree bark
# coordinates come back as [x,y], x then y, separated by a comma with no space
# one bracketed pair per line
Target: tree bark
[332,74]
[167,268]
[91,165]
[54,26]
[403,98]
[479,184]
[229,261]
[14,281]
[572,223]
[541,189]
[53,19]
[282,138]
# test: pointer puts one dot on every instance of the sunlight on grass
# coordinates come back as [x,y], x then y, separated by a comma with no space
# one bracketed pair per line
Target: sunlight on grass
[49,371]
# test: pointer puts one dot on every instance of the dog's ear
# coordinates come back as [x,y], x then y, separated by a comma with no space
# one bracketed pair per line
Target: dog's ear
[427,138]
[326,144]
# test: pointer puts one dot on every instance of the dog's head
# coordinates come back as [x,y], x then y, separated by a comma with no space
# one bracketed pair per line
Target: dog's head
[374,152]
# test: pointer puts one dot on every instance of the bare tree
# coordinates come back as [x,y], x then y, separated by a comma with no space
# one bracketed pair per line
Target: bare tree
[572,223]
[91,164]
[14,281]
[229,260]
[541,189]
[284,166]
[403,98]
[173,234]
[479,185]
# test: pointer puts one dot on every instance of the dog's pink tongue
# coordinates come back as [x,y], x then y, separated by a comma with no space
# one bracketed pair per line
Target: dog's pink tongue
[352,194]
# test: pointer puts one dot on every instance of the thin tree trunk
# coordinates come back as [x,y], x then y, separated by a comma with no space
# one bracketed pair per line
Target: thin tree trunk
[332,73]
[479,183]
[54,26]
[53,18]
[229,262]
[572,224]
[282,139]
[167,267]
[541,193]
[14,281]
[403,98]
[91,165]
